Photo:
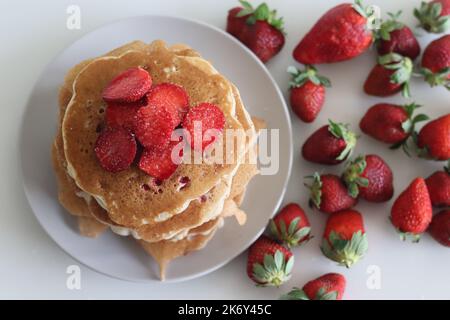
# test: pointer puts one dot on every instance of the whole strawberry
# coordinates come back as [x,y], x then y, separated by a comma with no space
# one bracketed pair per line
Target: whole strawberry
[341,34]
[237,22]
[434,16]
[394,36]
[411,213]
[307,92]
[330,286]
[329,194]
[390,76]
[344,239]
[370,178]
[438,185]
[291,226]
[269,263]
[436,62]
[259,29]
[434,139]
[391,123]
[440,227]
[331,144]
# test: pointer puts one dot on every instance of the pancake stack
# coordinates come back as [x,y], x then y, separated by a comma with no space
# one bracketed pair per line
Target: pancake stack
[168,218]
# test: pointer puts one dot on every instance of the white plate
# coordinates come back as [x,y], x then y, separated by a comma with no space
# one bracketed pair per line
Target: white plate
[121,257]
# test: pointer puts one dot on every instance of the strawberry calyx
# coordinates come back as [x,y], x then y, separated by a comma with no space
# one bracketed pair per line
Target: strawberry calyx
[341,131]
[315,189]
[292,236]
[388,26]
[403,67]
[409,125]
[414,237]
[261,13]
[430,19]
[274,271]
[367,12]
[345,252]
[436,78]
[352,176]
[299,294]
[300,77]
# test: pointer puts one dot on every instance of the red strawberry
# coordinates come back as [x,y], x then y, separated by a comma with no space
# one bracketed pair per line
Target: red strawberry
[123,115]
[161,163]
[390,76]
[331,144]
[115,149]
[259,29]
[394,36]
[129,86]
[329,194]
[173,97]
[434,139]
[440,227]
[341,34]
[202,121]
[264,40]
[411,212]
[434,16]
[436,62]
[307,92]
[154,126]
[330,286]
[236,23]
[438,185]
[291,225]
[370,178]
[269,263]
[344,239]
[391,123]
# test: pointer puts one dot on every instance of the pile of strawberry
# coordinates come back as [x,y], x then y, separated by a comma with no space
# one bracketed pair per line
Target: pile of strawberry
[342,34]
[140,115]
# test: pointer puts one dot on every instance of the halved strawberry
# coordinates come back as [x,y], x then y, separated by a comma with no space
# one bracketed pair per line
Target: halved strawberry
[154,126]
[161,163]
[115,149]
[123,115]
[129,86]
[171,96]
[203,122]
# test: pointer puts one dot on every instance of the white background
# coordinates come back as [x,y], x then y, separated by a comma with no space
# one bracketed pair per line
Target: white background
[32,266]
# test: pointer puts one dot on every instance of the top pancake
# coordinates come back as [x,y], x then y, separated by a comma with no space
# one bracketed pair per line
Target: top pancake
[126,201]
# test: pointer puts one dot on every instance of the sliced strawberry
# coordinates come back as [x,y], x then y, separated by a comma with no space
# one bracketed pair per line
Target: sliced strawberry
[154,126]
[123,115]
[199,121]
[159,163]
[115,149]
[173,97]
[129,86]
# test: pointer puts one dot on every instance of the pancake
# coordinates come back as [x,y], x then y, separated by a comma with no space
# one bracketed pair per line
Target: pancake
[122,193]
[165,251]
[197,213]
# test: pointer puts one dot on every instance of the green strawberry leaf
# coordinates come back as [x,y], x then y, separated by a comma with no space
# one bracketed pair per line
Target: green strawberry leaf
[341,131]
[295,294]
[316,189]
[300,77]
[345,252]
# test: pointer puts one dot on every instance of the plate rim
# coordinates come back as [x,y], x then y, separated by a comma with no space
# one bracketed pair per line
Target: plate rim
[204,25]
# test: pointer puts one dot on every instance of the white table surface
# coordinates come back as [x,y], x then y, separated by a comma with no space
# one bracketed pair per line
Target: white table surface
[33,266]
